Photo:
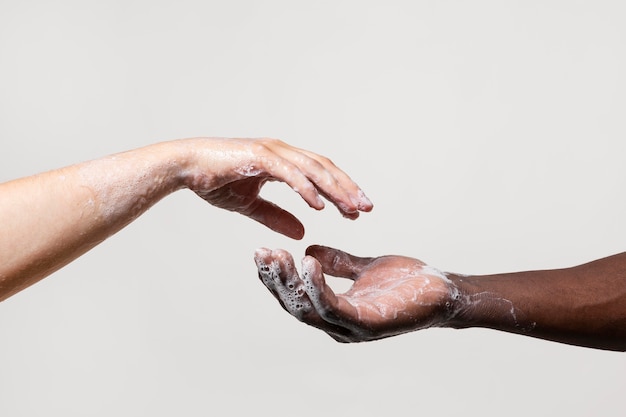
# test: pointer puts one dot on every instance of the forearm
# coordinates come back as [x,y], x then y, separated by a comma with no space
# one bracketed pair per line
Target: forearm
[584,305]
[52,218]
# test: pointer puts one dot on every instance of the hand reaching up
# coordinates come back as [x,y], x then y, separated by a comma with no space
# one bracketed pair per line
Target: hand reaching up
[584,305]
[390,295]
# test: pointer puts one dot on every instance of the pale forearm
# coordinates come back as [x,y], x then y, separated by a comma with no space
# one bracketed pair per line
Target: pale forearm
[583,305]
[51,218]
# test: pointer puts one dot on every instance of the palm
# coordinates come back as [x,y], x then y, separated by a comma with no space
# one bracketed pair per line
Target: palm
[395,294]
[239,196]
[242,196]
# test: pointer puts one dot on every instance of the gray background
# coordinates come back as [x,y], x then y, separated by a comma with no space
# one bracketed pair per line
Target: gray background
[488,134]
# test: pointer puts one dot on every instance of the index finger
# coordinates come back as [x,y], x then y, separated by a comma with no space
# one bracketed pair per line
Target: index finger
[332,309]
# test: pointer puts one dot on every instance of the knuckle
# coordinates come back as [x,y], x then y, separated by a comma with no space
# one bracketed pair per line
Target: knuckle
[259,147]
[325,160]
[270,142]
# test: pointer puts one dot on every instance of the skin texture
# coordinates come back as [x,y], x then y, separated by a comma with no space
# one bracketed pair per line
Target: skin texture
[584,305]
[52,218]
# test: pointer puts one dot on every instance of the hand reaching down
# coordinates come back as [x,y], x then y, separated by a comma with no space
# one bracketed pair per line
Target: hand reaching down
[54,217]
[230,173]
[390,294]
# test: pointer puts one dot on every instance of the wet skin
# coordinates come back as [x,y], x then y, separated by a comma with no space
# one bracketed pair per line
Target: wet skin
[583,305]
[245,165]
[54,217]
[390,295]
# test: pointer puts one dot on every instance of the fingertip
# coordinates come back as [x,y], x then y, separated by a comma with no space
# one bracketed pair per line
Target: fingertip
[366,208]
[310,265]
[313,278]
[316,250]
[261,255]
[296,233]
[365,204]
[360,202]
[313,272]
[310,194]
[338,263]
[278,220]
[261,252]
[283,256]
[319,203]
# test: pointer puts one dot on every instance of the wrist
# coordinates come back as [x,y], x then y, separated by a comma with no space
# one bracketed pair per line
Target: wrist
[457,312]
[195,162]
[175,162]
[172,163]
[478,301]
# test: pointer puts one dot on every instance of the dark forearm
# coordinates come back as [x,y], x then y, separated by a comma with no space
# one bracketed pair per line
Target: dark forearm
[584,305]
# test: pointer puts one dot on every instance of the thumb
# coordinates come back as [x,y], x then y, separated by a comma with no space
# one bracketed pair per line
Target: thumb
[276,218]
[338,263]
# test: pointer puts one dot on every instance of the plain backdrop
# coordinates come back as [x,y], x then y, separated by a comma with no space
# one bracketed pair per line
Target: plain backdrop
[489,135]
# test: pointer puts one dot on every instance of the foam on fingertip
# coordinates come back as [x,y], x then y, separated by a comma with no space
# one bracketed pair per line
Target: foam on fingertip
[290,293]
[309,266]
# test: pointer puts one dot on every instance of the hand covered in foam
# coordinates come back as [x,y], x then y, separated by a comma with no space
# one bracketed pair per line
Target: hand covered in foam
[390,294]
[229,174]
